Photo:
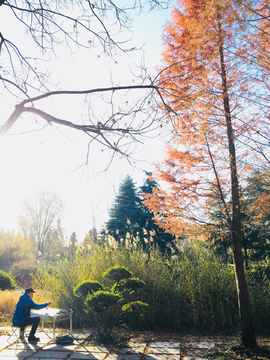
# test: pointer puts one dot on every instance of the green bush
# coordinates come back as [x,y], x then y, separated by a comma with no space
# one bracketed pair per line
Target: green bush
[133,311]
[102,301]
[117,273]
[7,281]
[135,306]
[87,287]
[106,306]
[128,285]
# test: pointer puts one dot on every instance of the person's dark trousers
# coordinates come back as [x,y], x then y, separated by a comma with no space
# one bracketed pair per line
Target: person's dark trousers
[34,321]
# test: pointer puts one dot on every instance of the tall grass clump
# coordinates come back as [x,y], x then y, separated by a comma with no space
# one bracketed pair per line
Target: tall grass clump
[209,291]
[161,293]
[189,291]
[8,301]
[57,281]
[258,280]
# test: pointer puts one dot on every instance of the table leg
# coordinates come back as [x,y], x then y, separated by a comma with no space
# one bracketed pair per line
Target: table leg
[53,328]
[70,323]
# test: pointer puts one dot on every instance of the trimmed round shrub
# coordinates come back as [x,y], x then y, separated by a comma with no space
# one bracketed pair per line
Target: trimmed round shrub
[135,306]
[134,313]
[102,300]
[7,281]
[128,285]
[117,273]
[87,287]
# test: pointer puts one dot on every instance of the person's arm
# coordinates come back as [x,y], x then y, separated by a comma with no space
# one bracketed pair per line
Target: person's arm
[37,306]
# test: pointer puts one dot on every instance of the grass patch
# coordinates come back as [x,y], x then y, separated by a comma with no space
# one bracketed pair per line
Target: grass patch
[8,301]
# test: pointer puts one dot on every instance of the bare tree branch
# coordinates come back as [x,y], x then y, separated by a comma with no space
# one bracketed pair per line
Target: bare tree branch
[78,24]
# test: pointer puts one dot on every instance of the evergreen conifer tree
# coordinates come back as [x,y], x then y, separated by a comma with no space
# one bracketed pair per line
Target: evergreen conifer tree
[126,214]
[152,230]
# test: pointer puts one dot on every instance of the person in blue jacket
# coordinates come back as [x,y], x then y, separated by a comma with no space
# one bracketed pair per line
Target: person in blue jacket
[21,316]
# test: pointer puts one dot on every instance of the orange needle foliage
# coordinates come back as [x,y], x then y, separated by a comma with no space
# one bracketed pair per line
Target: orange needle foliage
[197,167]
[215,87]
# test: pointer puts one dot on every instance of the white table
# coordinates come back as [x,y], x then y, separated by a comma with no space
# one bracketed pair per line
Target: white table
[55,315]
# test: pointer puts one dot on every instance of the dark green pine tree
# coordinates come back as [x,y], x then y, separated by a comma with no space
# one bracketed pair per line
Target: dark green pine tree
[152,231]
[126,212]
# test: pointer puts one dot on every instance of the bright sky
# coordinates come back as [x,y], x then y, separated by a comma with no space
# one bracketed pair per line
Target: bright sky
[52,161]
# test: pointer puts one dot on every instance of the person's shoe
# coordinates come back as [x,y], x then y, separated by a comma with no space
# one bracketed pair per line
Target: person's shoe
[33,339]
[22,336]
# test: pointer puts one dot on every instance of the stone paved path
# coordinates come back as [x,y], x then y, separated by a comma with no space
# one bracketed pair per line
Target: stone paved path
[137,349]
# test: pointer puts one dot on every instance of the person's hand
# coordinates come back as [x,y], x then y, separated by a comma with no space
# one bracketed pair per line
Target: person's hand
[49,303]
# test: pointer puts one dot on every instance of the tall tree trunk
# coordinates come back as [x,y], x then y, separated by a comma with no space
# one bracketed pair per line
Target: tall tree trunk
[248,333]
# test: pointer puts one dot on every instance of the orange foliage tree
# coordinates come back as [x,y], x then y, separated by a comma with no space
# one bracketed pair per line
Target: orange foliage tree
[218,98]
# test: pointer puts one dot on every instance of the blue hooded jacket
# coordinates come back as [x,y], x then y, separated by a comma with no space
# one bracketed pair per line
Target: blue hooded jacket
[23,307]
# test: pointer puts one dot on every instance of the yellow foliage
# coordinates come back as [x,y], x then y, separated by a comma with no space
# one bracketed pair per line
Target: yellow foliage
[14,248]
[8,301]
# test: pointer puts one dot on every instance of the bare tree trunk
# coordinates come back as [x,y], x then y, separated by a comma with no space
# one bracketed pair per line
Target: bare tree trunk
[248,333]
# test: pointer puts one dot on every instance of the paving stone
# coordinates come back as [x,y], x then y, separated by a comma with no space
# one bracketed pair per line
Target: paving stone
[17,353]
[161,357]
[136,341]
[92,348]
[201,345]
[197,350]
[134,345]
[3,346]
[164,351]
[44,338]
[3,342]
[60,347]
[47,349]
[50,354]
[24,346]
[123,357]
[167,344]
[130,350]
[152,349]
[11,339]
[87,356]
[35,347]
